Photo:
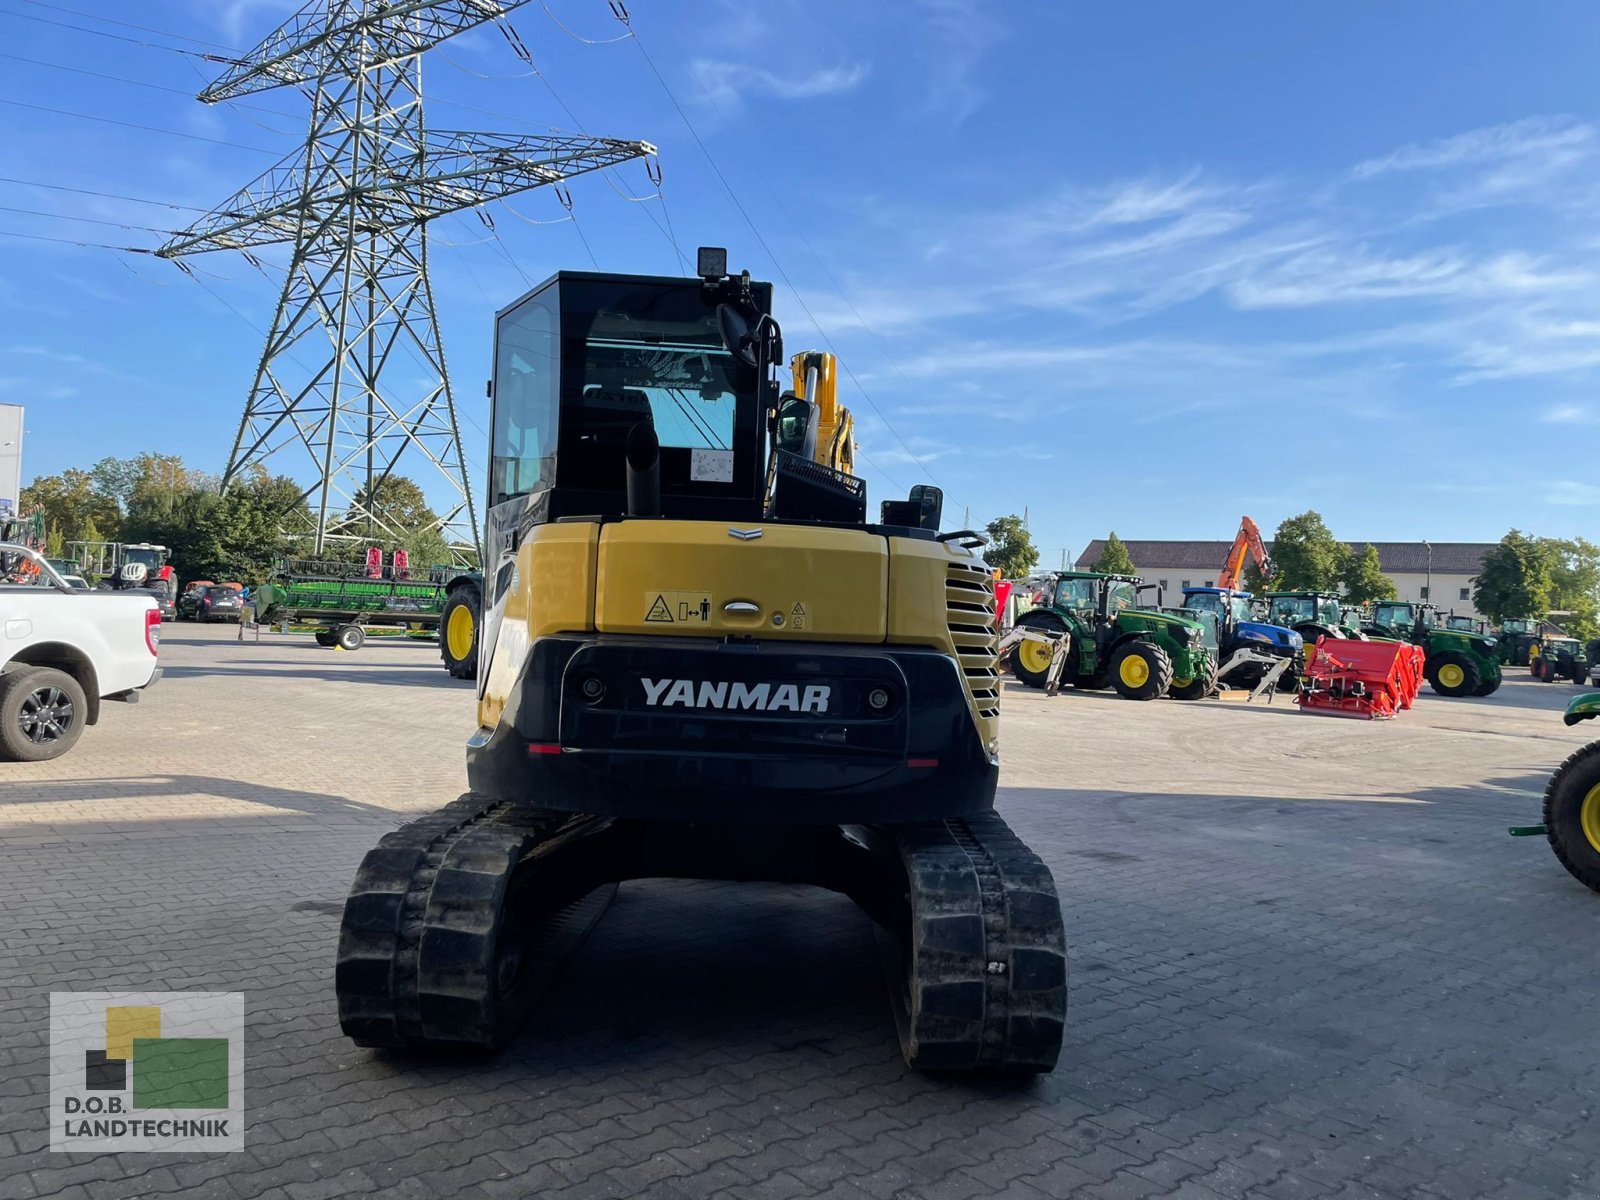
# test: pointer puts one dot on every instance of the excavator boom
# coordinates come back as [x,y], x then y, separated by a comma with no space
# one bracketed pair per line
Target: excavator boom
[1246,544]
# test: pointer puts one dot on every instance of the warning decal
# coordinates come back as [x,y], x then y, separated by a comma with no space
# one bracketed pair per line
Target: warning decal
[677,608]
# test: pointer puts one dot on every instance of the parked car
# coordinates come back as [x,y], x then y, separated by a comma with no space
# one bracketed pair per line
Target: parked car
[220,603]
[165,602]
[65,650]
[189,602]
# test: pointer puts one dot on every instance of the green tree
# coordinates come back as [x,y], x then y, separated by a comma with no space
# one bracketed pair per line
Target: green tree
[1011,550]
[1516,578]
[212,536]
[1115,559]
[55,546]
[1364,580]
[1254,581]
[70,504]
[1575,584]
[401,520]
[1306,556]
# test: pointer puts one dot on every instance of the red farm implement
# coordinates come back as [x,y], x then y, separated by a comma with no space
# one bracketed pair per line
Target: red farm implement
[1370,681]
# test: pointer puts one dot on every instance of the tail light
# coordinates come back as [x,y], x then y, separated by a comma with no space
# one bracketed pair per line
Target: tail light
[152,630]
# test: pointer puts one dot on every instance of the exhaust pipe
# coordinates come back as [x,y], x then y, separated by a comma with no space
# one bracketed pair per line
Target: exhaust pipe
[643,455]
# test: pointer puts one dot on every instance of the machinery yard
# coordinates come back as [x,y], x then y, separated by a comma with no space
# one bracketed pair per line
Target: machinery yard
[1308,963]
[712,740]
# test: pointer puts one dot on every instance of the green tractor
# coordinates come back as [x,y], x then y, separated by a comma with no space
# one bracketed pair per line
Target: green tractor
[1572,803]
[1310,614]
[460,621]
[1142,653]
[1560,659]
[1458,663]
[1518,636]
[1467,624]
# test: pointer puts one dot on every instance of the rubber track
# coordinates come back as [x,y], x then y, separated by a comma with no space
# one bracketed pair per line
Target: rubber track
[419,940]
[985,983]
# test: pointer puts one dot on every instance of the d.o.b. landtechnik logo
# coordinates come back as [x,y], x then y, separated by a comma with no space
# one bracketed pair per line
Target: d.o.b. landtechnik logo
[146,1071]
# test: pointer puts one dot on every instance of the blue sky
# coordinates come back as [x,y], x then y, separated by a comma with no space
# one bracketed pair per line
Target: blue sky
[1143,267]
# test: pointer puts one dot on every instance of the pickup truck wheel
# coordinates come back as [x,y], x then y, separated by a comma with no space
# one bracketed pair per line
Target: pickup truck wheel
[42,711]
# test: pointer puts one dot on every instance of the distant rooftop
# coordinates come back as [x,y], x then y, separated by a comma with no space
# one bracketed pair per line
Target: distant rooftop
[1406,558]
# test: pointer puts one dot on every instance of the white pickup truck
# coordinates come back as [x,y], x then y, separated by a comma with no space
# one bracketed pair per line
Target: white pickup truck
[63,650]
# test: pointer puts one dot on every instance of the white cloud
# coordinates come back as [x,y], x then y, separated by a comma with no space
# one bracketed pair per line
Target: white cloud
[1566,414]
[1530,137]
[956,36]
[1339,276]
[726,84]
[1567,491]
[245,22]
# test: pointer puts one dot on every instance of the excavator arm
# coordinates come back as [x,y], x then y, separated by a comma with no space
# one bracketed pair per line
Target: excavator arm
[1246,544]
[816,379]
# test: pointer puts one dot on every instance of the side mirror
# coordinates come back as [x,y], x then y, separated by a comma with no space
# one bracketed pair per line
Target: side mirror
[736,336]
[930,505]
[794,421]
[743,340]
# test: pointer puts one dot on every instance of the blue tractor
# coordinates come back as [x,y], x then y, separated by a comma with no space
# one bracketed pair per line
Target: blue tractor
[1237,629]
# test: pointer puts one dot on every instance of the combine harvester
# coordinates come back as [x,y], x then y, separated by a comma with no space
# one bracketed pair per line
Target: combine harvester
[1370,681]
[344,599]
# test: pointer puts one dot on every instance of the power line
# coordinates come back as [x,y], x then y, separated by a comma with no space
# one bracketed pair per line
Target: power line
[157,87]
[833,281]
[34,212]
[39,237]
[794,291]
[61,187]
[182,37]
[116,37]
[520,49]
[195,137]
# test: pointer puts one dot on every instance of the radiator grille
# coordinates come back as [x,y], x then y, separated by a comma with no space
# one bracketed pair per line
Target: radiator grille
[969,605]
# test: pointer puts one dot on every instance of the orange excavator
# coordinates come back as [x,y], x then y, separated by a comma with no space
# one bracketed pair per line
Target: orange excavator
[1246,544]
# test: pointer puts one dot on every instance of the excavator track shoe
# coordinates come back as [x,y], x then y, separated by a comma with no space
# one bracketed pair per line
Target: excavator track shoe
[443,940]
[984,985]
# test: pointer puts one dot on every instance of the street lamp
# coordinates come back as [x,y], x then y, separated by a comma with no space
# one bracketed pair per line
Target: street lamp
[1427,590]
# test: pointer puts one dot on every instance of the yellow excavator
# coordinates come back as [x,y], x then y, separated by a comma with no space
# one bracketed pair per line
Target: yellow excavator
[700,659]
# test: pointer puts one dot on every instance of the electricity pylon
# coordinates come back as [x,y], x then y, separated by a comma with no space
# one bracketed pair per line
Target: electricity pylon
[355,200]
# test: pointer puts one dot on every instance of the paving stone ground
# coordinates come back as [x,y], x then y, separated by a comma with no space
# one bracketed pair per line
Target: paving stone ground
[1306,960]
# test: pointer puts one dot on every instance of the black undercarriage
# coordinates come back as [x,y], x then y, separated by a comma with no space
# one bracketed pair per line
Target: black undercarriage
[457,921]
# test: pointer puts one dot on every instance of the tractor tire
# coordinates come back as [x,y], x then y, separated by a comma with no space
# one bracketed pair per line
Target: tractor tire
[350,637]
[459,624]
[1572,815]
[1487,688]
[1579,673]
[42,714]
[1454,675]
[325,637]
[1203,684]
[1029,663]
[1140,670]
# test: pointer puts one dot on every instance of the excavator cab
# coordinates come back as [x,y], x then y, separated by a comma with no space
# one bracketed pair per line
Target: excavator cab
[699,659]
